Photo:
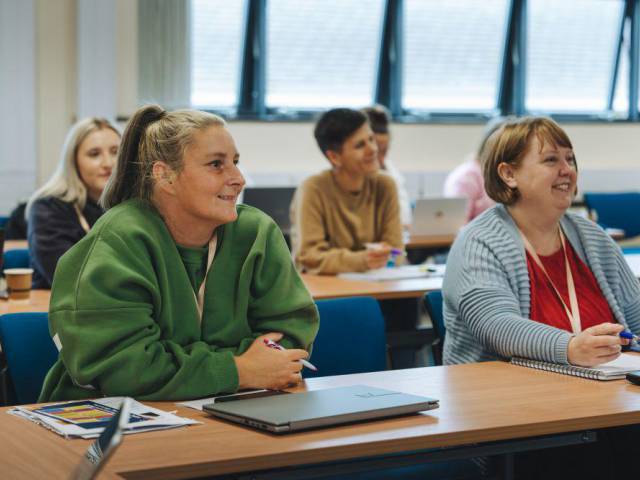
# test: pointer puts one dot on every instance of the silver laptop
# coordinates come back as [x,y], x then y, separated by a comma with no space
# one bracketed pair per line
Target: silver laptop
[274,201]
[438,216]
[319,408]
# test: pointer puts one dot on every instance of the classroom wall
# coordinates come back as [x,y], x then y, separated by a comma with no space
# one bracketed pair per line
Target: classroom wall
[56,80]
[18,142]
[429,147]
[52,49]
[283,153]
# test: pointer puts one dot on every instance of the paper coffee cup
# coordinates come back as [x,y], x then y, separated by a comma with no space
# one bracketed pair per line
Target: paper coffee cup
[18,283]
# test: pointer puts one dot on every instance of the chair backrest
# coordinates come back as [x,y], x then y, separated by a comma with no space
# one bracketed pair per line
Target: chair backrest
[16,258]
[351,338]
[616,210]
[433,304]
[29,352]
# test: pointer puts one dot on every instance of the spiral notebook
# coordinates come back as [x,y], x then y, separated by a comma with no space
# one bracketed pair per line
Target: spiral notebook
[614,370]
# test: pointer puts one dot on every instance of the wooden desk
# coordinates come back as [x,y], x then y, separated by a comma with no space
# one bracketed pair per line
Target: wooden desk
[22,459]
[38,302]
[15,244]
[329,286]
[480,403]
[320,286]
[430,241]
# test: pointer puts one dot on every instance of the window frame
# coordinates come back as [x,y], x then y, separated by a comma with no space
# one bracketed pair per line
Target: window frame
[388,82]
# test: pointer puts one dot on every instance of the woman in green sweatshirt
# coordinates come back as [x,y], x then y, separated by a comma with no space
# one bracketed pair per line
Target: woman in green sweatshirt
[173,292]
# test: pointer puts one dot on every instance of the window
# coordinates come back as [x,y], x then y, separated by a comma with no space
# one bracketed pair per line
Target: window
[621,97]
[571,49]
[317,54]
[453,54]
[322,53]
[216,50]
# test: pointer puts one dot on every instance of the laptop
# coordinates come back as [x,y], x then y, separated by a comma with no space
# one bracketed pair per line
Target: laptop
[274,201]
[438,216]
[319,408]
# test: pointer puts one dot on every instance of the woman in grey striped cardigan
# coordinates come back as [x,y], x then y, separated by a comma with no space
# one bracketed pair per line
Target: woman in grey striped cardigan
[508,285]
[510,277]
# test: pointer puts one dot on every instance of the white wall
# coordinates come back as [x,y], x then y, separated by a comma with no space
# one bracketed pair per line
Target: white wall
[608,154]
[290,147]
[56,80]
[18,100]
[47,73]
[96,56]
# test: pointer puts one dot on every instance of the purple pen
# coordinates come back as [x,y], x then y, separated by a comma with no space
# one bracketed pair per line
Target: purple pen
[392,257]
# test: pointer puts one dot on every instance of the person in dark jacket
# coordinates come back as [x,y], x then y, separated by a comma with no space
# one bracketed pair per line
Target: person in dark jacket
[62,211]
[16,226]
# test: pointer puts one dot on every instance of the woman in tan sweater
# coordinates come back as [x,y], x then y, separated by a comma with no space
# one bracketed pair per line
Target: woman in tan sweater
[337,212]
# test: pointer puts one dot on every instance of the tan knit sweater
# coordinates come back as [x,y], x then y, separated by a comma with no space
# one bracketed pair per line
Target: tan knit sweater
[330,226]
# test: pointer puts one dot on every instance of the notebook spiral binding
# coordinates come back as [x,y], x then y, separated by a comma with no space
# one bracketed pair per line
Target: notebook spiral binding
[582,372]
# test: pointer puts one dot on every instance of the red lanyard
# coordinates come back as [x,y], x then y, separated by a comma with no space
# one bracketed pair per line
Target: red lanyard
[573,312]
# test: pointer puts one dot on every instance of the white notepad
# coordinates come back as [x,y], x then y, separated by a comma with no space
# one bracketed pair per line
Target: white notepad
[613,370]
[396,273]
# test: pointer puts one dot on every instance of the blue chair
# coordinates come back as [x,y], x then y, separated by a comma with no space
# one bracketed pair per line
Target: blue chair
[3,221]
[29,352]
[16,258]
[616,210]
[351,338]
[433,304]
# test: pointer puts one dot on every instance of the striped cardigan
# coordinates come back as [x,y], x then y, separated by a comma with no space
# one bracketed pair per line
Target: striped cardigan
[487,295]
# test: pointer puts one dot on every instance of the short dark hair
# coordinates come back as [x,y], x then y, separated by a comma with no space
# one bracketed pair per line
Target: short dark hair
[335,126]
[379,118]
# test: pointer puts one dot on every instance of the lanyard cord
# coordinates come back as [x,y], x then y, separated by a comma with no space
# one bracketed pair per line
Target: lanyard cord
[199,298]
[83,221]
[573,312]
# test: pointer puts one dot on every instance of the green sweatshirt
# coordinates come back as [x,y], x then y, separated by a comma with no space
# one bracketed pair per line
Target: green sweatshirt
[123,308]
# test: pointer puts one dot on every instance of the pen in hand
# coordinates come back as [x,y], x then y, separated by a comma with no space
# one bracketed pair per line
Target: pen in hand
[277,346]
[629,336]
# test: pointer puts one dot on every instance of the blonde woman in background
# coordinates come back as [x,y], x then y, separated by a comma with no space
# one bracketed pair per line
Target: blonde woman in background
[63,210]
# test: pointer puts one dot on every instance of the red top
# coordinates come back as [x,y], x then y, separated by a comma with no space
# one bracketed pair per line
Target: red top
[545,305]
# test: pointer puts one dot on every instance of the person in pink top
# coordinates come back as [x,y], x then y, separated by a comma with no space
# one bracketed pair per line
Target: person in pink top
[466,179]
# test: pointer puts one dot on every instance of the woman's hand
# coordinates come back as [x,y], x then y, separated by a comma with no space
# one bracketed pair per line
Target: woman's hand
[264,367]
[596,345]
[379,256]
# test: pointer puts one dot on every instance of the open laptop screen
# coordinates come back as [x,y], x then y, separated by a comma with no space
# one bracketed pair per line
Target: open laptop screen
[439,216]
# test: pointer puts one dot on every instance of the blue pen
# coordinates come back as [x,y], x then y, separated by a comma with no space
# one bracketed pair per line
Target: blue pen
[630,336]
